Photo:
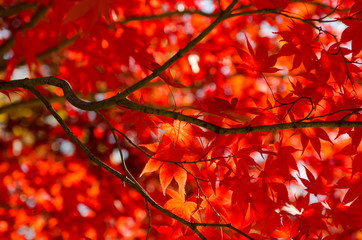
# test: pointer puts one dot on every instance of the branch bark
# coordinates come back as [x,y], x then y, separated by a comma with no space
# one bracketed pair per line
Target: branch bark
[123,102]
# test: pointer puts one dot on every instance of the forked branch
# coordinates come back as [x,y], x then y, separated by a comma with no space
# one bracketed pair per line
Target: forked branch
[123,102]
[123,178]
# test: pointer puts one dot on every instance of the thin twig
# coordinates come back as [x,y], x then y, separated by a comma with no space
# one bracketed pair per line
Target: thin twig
[166,15]
[132,143]
[111,170]
[205,160]
[119,149]
[187,171]
[350,114]
[149,220]
[224,225]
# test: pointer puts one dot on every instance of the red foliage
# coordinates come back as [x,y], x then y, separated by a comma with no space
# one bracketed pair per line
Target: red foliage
[221,144]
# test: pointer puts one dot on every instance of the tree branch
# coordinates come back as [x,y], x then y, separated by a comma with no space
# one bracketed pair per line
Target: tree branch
[33,103]
[149,220]
[166,15]
[13,10]
[222,16]
[248,129]
[224,225]
[108,168]
[93,106]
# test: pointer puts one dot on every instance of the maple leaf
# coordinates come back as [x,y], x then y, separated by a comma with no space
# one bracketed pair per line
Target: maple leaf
[241,193]
[311,217]
[221,107]
[300,43]
[179,133]
[336,64]
[11,67]
[354,191]
[261,4]
[313,136]
[353,33]
[165,76]
[357,164]
[215,206]
[200,167]
[314,185]
[179,206]
[144,124]
[255,64]
[288,230]
[285,155]
[92,10]
[167,170]
[171,151]
[7,93]
[277,164]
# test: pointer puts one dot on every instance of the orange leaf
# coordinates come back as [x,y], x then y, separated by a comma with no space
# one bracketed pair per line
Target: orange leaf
[168,171]
[151,166]
[179,206]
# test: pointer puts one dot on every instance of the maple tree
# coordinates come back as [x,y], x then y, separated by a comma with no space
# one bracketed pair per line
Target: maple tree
[227,119]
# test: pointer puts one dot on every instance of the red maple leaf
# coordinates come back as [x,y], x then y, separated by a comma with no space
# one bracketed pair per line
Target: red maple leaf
[313,136]
[353,33]
[357,164]
[300,41]
[91,10]
[165,76]
[288,230]
[256,63]
[179,206]
[314,185]
[261,4]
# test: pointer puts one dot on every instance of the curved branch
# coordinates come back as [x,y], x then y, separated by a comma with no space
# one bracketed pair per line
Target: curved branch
[117,99]
[223,225]
[67,89]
